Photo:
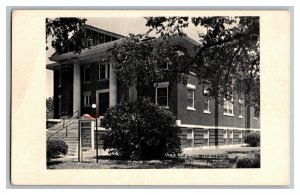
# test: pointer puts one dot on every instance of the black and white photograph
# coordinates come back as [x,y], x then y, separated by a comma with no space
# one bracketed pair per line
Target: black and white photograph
[151,97]
[155,92]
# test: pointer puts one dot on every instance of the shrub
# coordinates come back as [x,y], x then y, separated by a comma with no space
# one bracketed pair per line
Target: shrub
[141,130]
[252,139]
[55,148]
[251,160]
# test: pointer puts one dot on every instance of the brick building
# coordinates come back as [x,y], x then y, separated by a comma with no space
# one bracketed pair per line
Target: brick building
[81,80]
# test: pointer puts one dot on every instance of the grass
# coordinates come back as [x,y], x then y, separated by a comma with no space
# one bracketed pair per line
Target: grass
[221,158]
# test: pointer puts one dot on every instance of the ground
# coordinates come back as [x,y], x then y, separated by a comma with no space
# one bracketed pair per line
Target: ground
[190,158]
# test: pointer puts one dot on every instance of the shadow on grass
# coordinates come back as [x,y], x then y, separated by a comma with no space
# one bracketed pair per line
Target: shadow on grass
[51,164]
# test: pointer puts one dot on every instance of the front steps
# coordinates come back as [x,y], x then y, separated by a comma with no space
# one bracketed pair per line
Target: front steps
[67,132]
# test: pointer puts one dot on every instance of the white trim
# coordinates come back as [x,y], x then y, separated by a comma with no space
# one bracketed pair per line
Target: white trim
[212,127]
[193,106]
[161,85]
[192,73]
[226,114]
[106,77]
[190,108]
[191,86]
[208,103]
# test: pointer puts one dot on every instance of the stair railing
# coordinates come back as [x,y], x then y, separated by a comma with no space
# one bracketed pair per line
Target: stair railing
[65,124]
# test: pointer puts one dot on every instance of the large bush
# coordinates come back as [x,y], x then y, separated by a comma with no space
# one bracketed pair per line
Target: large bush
[251,160]
[141,130]
[56,148]
[252,139]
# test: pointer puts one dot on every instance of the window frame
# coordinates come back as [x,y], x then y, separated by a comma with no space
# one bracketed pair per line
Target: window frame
[107,66]
[159,86]
[87,96]
[206,110]
[226,108]
[192,88]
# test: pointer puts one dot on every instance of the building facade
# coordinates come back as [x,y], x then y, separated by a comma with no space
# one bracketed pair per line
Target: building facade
[81,80]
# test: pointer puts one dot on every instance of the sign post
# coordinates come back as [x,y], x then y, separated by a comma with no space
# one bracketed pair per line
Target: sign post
[85,135]
[94,106]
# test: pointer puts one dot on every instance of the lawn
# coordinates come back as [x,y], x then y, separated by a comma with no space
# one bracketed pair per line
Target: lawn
[211,158]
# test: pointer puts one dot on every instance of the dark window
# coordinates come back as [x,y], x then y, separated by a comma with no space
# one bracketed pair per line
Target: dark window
[107,38]
[103,71]
[162,96]
[103,103]
[87,74]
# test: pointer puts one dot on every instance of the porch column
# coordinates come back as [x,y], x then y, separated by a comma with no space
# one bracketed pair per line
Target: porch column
[76,87]
[112,85]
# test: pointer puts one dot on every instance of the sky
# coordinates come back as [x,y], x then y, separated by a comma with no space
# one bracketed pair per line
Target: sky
[123,26]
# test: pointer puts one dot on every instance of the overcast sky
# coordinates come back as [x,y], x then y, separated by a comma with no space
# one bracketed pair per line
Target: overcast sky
[122,26]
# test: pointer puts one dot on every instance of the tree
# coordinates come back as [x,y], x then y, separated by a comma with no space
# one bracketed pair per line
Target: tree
[61,29]
[49,107]
[141,60]
[228,59]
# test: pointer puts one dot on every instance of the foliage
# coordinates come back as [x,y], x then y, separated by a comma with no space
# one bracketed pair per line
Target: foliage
[228,58]
[61,29]
[49,107]
[140,60]
[252,139]
[251,160]
[55,148]
[141,130]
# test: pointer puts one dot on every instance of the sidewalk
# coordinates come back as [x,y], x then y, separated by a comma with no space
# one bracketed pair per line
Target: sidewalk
[200,151]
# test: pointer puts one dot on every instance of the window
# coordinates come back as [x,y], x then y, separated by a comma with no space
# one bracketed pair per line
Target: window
[161,93]
[189,134]
[240,111]
[206,105]
[206,91]
[103,71]
[191,97]
[241,102]
[228,108]
[86,98]
[225,134]
[190,137]
[87,74]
